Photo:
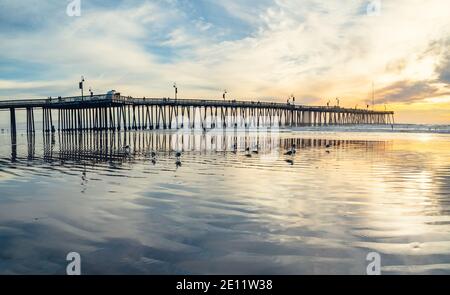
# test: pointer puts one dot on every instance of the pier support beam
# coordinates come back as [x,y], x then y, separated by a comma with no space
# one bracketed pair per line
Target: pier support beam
[12,119]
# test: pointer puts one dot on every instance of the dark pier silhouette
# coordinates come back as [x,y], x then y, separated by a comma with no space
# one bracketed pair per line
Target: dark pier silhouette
[116,112]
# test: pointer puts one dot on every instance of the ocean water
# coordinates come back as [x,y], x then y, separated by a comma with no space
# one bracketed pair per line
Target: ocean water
[219,209]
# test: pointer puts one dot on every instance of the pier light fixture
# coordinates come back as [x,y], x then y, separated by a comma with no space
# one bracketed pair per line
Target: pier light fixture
[176,89]
[373,96]
[338,101]
[224,94]
[81,86]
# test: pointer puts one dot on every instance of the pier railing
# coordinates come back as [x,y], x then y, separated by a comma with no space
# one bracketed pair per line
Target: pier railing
[116,99]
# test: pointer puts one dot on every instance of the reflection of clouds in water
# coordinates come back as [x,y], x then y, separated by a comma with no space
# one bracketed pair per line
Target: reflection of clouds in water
[223,212]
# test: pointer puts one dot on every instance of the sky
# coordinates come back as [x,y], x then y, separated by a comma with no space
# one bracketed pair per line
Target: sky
[261,50]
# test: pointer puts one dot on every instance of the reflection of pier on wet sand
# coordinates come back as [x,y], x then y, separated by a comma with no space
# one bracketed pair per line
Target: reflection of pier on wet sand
[122,146]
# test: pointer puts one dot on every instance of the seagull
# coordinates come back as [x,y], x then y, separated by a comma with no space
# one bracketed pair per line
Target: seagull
[127,149]
[328,146]
[257,150]
[235,148]
[153,154]
[178,163]
[248,152]
[291,152]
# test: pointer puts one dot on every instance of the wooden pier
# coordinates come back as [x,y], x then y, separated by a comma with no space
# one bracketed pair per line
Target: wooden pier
[116,112]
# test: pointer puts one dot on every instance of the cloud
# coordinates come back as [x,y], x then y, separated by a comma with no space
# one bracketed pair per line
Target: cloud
[406,91]
[445,72]
[314,49]
[443,68]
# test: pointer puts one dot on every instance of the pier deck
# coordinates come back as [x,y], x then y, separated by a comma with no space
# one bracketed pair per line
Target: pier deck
[116,112]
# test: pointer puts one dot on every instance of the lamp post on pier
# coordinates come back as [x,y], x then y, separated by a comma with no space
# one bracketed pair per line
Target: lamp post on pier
[176,90]
[81,86]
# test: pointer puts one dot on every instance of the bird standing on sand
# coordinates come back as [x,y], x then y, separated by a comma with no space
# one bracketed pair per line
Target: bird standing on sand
[153,155]
[292,151]
[256,150]
[178,162]
[247,154]
[235,148]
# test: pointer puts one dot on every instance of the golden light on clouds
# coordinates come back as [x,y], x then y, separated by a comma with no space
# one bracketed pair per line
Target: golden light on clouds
[316,50]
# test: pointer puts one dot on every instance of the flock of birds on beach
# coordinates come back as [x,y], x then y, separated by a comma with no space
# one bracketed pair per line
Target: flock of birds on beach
[248,153]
